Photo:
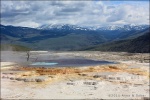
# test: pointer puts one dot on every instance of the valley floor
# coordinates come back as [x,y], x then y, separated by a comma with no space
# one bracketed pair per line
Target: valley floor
[129,79]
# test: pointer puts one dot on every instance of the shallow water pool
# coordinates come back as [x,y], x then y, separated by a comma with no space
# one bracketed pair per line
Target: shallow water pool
[44,63]
[76,62]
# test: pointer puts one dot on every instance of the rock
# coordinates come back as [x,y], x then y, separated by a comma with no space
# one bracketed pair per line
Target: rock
[39,80]
[32,80]
[27,80]
[138,84]
[95,88]
[145,98]
[96,76]
[70,84]
[20,79]
[3,77]
[51,76]
[118,78]
[90,83]
[125,86]
[94,83]
[12,78]
[113,67]
[7,77]
[82,74]
[123,82]
[111,78]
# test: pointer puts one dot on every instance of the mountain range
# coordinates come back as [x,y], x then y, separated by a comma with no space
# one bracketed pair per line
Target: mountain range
[72,37]
[109,27]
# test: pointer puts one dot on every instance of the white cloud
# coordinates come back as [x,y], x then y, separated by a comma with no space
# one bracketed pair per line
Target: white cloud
[35,13]
[28,24]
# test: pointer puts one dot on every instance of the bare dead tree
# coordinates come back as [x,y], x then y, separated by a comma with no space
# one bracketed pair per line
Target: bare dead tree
[141,58]
[28,55]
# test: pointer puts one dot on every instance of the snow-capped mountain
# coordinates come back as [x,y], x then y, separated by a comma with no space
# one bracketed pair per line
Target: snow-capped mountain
[121,27]
[61,26]
[135,27]
[110,27]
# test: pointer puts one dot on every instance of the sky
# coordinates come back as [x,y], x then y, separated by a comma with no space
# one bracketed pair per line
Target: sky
[82,13]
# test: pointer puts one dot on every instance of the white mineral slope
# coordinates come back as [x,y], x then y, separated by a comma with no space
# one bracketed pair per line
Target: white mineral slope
[7,65]
[77,89]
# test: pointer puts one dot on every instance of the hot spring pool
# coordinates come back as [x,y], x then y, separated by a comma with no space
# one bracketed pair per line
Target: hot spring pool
[69,63]
[44,63]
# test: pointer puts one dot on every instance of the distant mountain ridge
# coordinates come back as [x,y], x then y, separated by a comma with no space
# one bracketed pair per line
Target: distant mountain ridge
[125,27]
[109,27]
[67,37]
[140,44]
